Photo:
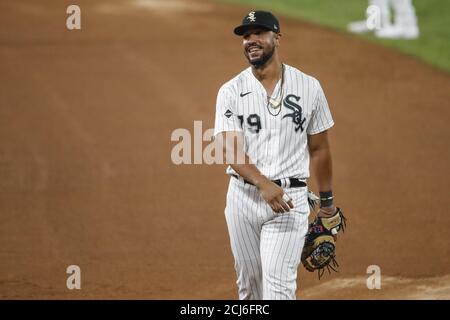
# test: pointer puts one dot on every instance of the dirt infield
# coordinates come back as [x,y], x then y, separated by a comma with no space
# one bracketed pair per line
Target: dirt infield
[86,176]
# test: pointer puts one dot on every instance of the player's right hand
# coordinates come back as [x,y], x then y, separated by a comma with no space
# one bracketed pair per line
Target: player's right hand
[273,195]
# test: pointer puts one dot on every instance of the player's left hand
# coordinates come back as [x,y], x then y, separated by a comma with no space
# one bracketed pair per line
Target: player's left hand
[326,212]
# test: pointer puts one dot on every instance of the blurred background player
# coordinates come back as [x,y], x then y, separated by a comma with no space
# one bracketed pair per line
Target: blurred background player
[404,25]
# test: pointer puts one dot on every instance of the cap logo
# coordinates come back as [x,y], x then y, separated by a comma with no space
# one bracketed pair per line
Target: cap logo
[251,16]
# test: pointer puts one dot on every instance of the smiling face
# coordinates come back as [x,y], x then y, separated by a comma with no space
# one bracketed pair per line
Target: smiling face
[259,45]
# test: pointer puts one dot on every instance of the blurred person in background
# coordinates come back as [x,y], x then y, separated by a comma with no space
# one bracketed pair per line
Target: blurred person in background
[404,25]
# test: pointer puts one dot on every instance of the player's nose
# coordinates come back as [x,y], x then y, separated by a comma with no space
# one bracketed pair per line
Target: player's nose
[250,42]
[251,37]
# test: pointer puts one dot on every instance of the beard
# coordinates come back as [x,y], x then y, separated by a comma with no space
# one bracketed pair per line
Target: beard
[261,61]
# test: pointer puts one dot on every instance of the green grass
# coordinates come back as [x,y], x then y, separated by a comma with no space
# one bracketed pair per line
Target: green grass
[433,46]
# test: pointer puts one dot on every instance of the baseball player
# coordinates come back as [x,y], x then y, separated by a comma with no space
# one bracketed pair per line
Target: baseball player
[274,118]
[405,24]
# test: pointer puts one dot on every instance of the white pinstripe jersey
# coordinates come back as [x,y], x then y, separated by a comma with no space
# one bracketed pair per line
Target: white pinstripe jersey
[276,144]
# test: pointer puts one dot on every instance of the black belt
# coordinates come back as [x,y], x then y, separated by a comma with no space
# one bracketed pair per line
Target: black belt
[294,182]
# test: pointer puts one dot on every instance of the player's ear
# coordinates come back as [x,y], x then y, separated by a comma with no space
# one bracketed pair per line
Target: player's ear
[277,39]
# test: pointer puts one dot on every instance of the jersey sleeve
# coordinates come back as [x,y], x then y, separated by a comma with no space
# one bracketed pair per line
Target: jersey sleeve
[321,118]
[226,112]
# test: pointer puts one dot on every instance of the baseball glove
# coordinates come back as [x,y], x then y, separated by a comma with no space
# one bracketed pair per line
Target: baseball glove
[319,251]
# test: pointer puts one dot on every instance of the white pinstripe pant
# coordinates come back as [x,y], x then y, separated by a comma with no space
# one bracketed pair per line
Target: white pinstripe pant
[266,246]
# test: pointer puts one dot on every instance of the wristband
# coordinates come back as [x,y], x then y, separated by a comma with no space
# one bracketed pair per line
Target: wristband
[326,199]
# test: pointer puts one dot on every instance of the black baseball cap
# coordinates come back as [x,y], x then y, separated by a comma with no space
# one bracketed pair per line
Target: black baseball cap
[259,18]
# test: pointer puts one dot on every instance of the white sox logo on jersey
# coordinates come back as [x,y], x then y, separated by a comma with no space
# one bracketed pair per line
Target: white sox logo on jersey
[254,120]
[296,115]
